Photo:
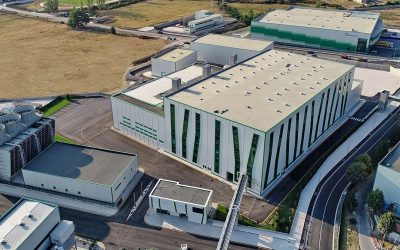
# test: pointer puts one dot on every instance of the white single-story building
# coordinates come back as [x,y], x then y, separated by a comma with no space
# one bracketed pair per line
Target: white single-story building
[172,198]
[172,61]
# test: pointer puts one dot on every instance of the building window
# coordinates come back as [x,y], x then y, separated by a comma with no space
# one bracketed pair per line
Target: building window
[66,190]
[117,186]
[296,138]
[344,97]
[345,101]
[288,142]
[337,103]
[312,123]
[196,139]
[79,192]
[162,211]
[54,187]
[198,210]
[252,156]
[319,116]
[184,132]
[326,110]
[236,149]
[270,147]
[278,149]
[42,185]
[304,130]
[217,145]
[173,132]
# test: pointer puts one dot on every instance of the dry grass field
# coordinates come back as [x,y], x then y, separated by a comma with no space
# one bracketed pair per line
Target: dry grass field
[41,58]
[151,12]
[390,17]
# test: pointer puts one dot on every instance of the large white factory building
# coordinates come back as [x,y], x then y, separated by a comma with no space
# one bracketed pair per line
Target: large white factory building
[352,31]
[258,116]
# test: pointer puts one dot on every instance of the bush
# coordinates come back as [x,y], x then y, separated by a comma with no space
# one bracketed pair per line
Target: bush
[112,30]
[78,18]
[357,172]
[376,200]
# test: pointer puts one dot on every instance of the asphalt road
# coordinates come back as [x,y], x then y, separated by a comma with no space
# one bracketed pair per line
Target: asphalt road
[322,210]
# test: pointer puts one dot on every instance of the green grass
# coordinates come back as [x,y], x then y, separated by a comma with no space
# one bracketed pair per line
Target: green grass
[76,3]
[222,212]
[54,106]
[60,138]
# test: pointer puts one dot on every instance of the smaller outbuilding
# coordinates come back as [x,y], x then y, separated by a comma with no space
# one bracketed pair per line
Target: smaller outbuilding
[172,198]
[387,179]
[88,172]
[172,61]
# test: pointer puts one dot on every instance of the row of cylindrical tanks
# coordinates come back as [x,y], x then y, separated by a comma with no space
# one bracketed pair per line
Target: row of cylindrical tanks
[16,120]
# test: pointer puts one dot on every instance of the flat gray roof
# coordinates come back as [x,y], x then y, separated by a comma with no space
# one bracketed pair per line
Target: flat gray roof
[234,42]
[176,55]
[263,90]
[351,21]
[392,160]
[82,163]
[174,191]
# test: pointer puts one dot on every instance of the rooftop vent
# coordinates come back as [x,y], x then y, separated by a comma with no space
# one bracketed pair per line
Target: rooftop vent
[287,104]
[3,242]
[227,86]
[275,77]
[236,81]
[21,223]
[217,91]
[302,93]
[309,74]
[287,89]
[233,59]
[265,83]
[295,83]
[257,87]
[279,111]
[213,82]
[279,94]
[288,65]
[30,215]
[249,107]
[311,87]
[216,111]
[270,99]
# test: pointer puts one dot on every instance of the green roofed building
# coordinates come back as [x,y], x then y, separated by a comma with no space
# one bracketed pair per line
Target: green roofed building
[352,31]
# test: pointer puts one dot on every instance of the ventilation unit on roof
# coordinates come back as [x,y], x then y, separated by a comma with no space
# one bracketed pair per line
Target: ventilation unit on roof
[287,105]
[249,107]
[216,111]
[279,111]
[3,242]
[21,223]
[270,99]
[288,65]
[30,215]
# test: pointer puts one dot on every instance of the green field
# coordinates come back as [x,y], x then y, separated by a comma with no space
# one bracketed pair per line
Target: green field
[54,106]
[60,138]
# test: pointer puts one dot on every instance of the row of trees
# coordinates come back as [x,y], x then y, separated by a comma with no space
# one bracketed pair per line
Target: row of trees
[235,13]
[52,5]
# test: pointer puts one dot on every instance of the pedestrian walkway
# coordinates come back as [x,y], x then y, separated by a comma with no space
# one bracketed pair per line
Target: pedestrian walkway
[340,153]
[241,234]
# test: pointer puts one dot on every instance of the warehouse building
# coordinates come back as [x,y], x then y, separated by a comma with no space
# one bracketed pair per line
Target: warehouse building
[205,23]
[219,49]
[259,116]
[172,61]
[88,172]
[352,31]
[172,198]
[139,113]
[32,224]
[387,179]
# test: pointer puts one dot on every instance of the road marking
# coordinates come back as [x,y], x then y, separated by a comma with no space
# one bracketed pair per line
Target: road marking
[90,124]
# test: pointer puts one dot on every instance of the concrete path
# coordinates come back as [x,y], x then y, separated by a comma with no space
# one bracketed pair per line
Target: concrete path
[241,234]
[363,221]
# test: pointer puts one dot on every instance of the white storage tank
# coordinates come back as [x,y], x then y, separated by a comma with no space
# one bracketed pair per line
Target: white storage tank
[28,114]
[13,124]
[3,136]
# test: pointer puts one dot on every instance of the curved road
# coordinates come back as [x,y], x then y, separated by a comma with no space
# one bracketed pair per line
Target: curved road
[322,210]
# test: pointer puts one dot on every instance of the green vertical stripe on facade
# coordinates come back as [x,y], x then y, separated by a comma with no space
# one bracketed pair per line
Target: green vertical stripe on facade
[332,103]
[312,124]
[217,145]
[184,133]
[252,156]
[278,150]
[173,128]
[319,115]
[236,149]
[270,147]
[296,139]
[196,138]
[303,130]
[288,142]
[326,110]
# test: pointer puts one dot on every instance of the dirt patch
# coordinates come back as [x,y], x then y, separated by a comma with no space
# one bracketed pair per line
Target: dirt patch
[41,58]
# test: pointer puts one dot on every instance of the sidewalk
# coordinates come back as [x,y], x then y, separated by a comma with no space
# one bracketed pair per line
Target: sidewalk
[362,217]
[241,234]
[339,154]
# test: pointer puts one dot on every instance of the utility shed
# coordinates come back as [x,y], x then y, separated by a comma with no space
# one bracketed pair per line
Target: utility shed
[387,179]
[218,49]
[353,31]
[172,61]
[82,171]
[172,198]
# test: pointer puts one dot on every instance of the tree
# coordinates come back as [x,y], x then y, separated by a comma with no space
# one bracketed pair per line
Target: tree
[89,4]
[375,200]
[366,159]
[387,223]
[357,172]
[101,4]
[51,5]
[77,18]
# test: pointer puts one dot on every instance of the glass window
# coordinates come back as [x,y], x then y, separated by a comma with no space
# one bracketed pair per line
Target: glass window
[288,142]
[270,147]
[196,139]
[278,151]
[173,131]
[184,132]
[217,145]
[252,156]
[319,116]
[312,123]
[296,138]
[304,130]
[326,110]
[198,210]
[236,149]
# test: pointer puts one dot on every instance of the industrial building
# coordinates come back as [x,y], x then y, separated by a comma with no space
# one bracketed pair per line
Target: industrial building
[172,198]
[258,116]
[352,31]
[172,61]
[32,224]
[205,23]
[219,49]
[24,133]
[387,179]
[93,173]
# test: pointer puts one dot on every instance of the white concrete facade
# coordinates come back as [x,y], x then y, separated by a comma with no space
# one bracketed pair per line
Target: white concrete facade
[205,23]
[172,61]
[180,205]
[97,191]
[217,49]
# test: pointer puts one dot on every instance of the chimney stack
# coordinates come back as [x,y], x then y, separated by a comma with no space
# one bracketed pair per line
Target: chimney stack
[206,70]
[233,60]
[176,83]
